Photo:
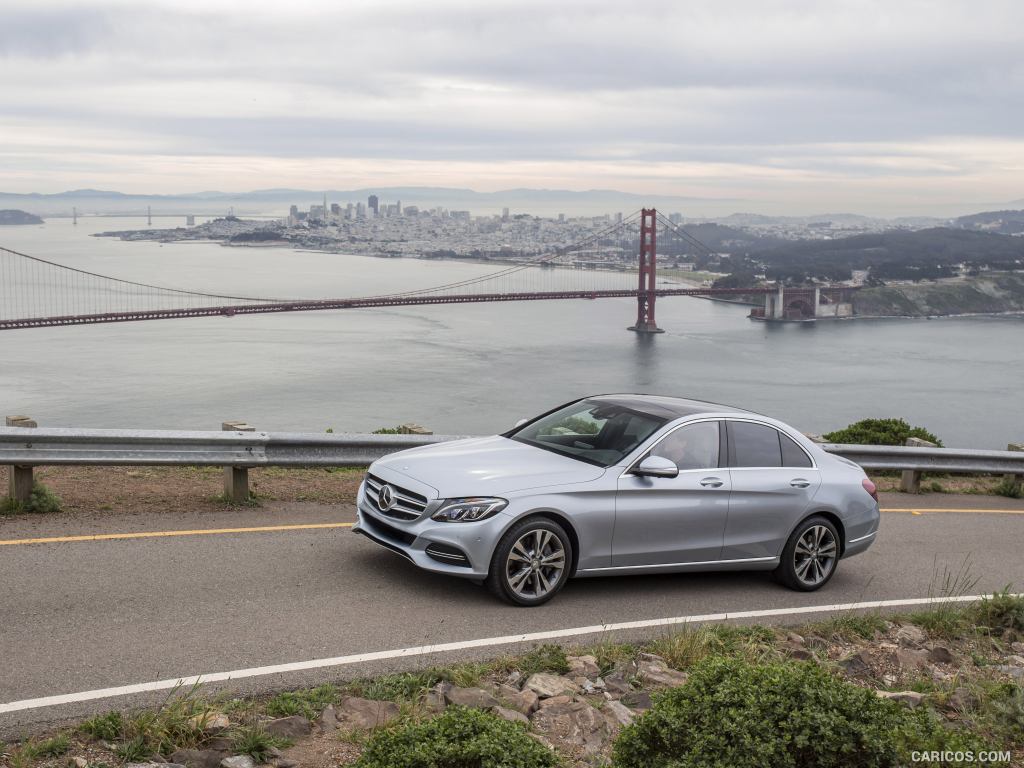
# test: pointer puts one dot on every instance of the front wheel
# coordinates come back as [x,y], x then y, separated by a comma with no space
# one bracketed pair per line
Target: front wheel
[810,556]
[531,562]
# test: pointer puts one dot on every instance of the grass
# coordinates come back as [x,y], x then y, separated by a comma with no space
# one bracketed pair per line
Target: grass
[308,703]
[106,727]
[947,619]
[1001,613]
[253,740]
[850,626]
[1010,488]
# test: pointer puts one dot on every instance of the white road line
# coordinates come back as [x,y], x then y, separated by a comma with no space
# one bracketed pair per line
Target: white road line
[420,650]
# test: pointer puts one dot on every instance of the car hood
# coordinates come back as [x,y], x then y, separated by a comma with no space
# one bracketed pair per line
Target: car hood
[487,466]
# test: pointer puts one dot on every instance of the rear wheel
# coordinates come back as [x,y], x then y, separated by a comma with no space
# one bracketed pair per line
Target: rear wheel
[810,556]
[531,562]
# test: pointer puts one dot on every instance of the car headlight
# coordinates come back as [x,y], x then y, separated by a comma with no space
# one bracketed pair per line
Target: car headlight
[468,510]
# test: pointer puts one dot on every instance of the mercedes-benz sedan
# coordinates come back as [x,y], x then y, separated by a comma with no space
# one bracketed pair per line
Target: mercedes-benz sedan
[621,484]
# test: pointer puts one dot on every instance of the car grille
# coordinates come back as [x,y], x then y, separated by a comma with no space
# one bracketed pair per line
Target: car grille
[382,529]
[408,505]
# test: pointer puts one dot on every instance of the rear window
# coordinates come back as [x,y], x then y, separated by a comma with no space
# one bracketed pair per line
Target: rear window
[792,454]
[753,445]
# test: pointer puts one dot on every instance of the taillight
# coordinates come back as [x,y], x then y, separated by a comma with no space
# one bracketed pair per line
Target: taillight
[871,488]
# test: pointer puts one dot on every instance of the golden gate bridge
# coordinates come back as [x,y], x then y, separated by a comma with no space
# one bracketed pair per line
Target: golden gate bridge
[617,261]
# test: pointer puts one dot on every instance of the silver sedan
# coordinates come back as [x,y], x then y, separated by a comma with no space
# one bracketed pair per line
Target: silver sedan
[621,484]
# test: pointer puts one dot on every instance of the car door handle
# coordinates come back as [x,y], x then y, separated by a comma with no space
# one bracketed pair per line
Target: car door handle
[799,483]
[711,482]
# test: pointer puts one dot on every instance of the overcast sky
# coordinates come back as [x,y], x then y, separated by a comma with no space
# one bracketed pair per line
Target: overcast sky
[865,106]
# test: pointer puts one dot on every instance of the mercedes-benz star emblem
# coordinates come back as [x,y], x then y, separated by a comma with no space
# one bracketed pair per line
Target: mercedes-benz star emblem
[385,498]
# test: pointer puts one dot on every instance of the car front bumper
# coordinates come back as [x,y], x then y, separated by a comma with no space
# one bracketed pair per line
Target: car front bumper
[454,549]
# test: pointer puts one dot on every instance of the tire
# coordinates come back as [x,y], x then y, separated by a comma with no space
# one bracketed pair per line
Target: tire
[518,574]
[811,555]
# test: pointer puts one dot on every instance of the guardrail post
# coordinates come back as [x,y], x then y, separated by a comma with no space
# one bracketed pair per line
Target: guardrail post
[1012,479]
[911,480]
[20,486]
[236,479]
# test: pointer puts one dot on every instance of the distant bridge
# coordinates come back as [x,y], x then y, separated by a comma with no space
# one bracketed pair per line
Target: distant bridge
[38,293]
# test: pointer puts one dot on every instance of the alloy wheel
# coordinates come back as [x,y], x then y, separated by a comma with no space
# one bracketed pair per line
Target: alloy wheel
[815,555]
[535,564]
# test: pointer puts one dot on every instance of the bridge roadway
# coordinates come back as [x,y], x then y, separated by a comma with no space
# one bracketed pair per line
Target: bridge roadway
[356,303]
[84,614]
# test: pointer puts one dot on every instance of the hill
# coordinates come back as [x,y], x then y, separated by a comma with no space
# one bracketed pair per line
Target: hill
[11,216]
[894,255]
[988,293]
[999,222]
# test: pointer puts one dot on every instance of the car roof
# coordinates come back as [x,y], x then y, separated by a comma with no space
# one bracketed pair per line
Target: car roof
[666,407]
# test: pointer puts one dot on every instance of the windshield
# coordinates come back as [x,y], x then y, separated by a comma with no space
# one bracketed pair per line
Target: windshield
[591,431]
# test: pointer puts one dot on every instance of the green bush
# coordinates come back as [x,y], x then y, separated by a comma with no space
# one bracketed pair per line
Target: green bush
[41,500]
[458,738]
[880,432]
[1000,613]
[731,713]
[1009,488]
[106,727]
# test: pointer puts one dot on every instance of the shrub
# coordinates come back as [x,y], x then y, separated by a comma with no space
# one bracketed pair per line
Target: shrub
[255,742]
[1001,612]
[41,500]
[1009,488]
[308,703]
[880,432]
[457,738]
[731,713]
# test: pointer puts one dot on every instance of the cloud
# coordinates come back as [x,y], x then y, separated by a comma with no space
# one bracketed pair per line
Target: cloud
[779,96]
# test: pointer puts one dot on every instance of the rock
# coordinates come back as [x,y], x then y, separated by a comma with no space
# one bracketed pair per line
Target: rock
[584,666]
[289,727]
[525,701]
[555,701]
[153,764]
[546,685]
[474,698]
[911,698]
[816,643]
[238,761]
[962,699]
[354,712]
[328,720]
[1012,671]
[800,654]
[511,714]
[909,659]
[638,700]
[617,682]
[573,724]
[794,639]
[284,762]
[218,744]
[79,762]
[856,665]
[657,673]
[651,657]
[619,712]
[434,702]
[940,654]
[1017,647]
[1015,659]
[910,635]
[210,722]
[198,758]
[514,677]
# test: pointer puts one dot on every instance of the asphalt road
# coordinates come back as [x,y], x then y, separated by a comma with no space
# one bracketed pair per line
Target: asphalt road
[83,615]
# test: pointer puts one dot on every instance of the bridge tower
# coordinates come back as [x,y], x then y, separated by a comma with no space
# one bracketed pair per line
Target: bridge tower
[645,322]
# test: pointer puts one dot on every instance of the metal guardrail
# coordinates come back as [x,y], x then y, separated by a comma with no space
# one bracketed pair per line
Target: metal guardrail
[136,447]
[23,448]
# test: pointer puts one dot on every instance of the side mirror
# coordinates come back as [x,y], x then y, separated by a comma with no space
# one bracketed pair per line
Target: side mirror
[656,466]
[521,422]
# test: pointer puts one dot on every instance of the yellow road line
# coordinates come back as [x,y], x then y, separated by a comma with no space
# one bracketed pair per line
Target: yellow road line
[315,526]
[167,534]
[921,510]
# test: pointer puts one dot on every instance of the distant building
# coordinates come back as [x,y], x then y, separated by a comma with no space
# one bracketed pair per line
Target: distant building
[411,210]
[561,217]
[504,214]
[335,209]
[361,210]
[675,218]
[350,211]
[398,207]
[618,218]
[373,204]
[464,215]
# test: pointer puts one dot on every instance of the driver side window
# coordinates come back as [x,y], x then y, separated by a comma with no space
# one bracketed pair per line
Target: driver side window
[694,446]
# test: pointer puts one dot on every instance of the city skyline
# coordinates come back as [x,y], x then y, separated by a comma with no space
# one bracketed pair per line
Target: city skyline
[786,107]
